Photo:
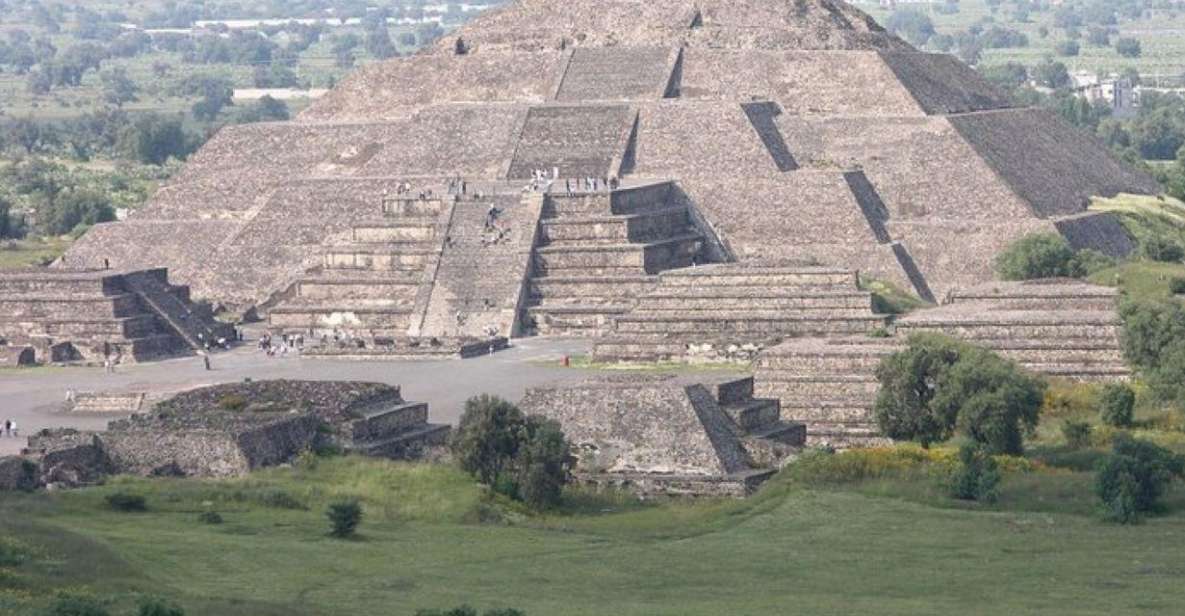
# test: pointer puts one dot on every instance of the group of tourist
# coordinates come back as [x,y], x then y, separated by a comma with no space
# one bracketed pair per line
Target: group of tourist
[287,342]
[10,429]
[590,184]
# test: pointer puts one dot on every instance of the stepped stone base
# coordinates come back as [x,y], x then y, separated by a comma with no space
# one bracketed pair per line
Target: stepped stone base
[99,402]
[89,316]
[410,348]
[672,436]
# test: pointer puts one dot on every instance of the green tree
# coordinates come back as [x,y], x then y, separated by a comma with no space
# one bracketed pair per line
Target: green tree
[978,475]
[909,382]
[1166,378]
[995,401]
[1067,48]
[159,607]
[1128,47]
[487,437]
[118,88]
[1040,255]
[912,25]
[1149,329]
[73,208]
[76,605]
[543,463]
[153,139]
[1117,403]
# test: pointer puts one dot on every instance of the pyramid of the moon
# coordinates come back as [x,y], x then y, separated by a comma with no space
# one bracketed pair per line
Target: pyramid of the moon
[761,131]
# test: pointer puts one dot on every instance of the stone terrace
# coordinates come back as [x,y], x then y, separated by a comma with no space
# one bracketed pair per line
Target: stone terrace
[1060,328]
[90,315]
[663,435]
[729,312]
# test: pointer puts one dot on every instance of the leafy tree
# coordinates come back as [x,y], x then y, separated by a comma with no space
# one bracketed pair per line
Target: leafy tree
[938,385]
[1098,36]
[912,25]
[1051,74]
[74,208]
[1149,330]
[275,75]
[266,109]
[487,439]
[1067,48]
[1132,479]
[118,88]
[1117,403]
[379,43]
[1166,379]
[543,463]
[153,139]
[909,383]
[1009,75]
[407,39]
[344,517]
[1128,47]
[1040,255]
[995,401]
[7,228]
[1077,434]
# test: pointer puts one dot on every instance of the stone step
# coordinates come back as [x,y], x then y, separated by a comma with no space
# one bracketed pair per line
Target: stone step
[640,227]
[649,258]
[830,387]
[39,306]
[720,298]
[828,410]
[622,201]
[394,231]
[136,326]
[380,257]
[770,277]
[414,207]
[577,320]
[555,288]
[845,436]
[1086,372]
[734,391]
[393,320]
[753,414]
[792,433]
[360,284]
[409,445]
[61,283]
[386,422]
[1109,331]
[765,323]
[156,346]
[102,402]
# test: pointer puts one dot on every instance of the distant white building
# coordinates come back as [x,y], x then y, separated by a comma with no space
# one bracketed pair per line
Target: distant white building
[1118,93]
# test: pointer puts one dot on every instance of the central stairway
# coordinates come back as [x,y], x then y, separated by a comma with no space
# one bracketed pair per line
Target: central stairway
[599,251]
[370,284]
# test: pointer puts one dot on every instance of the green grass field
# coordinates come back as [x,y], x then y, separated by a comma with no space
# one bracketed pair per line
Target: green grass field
[890,543]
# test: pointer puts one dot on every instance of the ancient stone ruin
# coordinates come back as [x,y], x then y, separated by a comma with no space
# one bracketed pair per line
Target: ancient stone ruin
[1059,328]
[231,429]
[663,435]
[89,316]
[557,176]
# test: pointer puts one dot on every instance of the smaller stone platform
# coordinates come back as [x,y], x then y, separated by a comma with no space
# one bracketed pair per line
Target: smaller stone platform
[669,435]
[396,349]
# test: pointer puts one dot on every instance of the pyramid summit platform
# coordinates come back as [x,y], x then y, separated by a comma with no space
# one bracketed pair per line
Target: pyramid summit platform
[762,132]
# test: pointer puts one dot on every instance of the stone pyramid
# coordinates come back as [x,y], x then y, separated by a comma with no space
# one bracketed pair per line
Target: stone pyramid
[792,130]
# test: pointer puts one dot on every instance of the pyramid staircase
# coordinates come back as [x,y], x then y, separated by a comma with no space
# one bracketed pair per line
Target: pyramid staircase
[600,250]
[371,284]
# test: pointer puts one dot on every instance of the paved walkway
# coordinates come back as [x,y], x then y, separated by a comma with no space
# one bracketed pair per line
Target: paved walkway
[34,397]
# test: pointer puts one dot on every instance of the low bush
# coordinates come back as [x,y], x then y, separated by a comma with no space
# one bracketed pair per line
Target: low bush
[1132,479]
[158,607]
[13,553]
[978,476]
[344,518]
[1041,255]
[126,501]
[1077,434]
[1177,285]
[76,605]
[1162,249]
[279,499]
[232,402]
[210,517]
[465,610]
[1117,403]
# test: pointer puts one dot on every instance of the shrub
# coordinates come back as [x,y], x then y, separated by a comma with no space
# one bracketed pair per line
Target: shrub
[1067,48]
[74,605]
[1164,250]
[1132,479]
[1041,255]
[978,475]
[487,437]
[1128,47]
[344,517]
[232,402]
[1177,285]
[159,607]
[13,553]
[465,610]
[1166,380]
[279,499]
[1089,262]
[125,501]
[210,517]
[1077,434]
[1117,404]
